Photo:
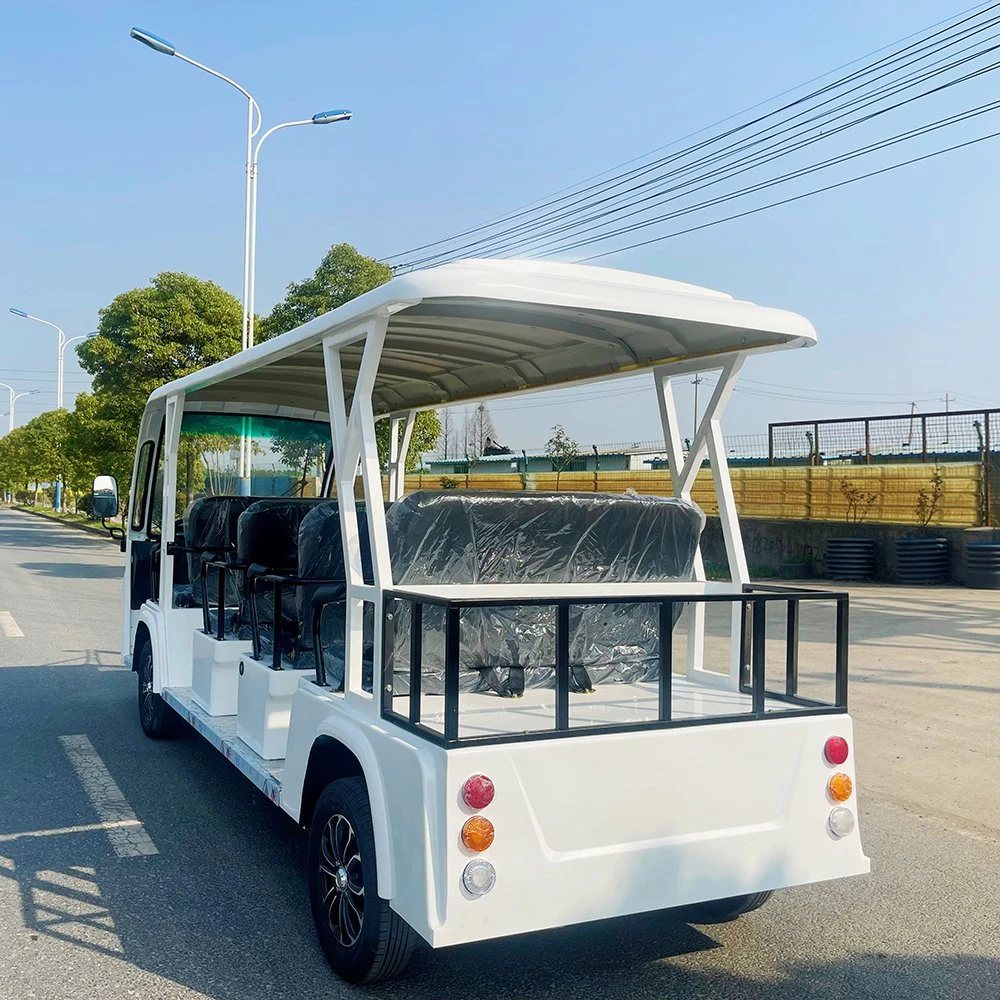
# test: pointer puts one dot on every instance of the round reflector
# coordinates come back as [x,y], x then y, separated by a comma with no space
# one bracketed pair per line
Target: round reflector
[839,787]
[841,821]
[478,791]
[479,877]
[477,834]
[836,750]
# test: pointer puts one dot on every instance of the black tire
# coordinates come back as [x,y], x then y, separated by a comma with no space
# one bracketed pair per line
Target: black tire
[720,911]
[158,720]
[364,940]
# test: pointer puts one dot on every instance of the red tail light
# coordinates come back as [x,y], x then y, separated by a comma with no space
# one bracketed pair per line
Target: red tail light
[836,750]
[478,791]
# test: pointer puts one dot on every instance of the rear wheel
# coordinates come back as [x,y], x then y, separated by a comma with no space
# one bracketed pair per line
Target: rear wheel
[363,938]
[156,717]
[719,911]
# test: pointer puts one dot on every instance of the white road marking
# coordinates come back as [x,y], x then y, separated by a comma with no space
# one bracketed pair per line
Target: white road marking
[9,627]
[60,831]
[127,835]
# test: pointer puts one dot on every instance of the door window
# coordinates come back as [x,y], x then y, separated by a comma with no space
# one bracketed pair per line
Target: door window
[140,489]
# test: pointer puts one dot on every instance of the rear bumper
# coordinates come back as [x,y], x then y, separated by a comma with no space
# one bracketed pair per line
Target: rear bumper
[606,826]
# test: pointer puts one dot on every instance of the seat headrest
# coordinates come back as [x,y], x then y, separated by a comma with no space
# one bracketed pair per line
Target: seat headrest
[268,532]
[506,537]
[212,521]
[321,551]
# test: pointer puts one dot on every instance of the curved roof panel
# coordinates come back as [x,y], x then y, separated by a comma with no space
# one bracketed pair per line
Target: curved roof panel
[480,328]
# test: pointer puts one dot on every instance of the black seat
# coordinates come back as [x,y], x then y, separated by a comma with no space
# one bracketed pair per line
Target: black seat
[321,558]
[210,528]
[465,537]
[268,543]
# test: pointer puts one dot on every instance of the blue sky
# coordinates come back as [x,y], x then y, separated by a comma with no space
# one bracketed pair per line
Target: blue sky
[120,163]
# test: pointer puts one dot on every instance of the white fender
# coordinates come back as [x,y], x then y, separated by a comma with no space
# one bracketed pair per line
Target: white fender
[302,737]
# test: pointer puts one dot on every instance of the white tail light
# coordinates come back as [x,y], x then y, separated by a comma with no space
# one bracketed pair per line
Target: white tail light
[479,877]
[841,821]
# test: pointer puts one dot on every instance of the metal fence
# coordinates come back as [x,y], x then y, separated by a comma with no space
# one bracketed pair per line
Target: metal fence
[946,437]
[956,436]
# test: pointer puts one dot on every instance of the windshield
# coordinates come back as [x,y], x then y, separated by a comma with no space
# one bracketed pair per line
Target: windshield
[284,457]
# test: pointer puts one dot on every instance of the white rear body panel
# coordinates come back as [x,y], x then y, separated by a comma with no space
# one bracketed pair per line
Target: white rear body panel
[592,826]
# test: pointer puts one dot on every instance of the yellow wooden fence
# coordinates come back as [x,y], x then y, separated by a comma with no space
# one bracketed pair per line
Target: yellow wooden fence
[797,492]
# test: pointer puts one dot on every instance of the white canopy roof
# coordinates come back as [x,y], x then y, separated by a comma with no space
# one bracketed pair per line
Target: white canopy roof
[480,328]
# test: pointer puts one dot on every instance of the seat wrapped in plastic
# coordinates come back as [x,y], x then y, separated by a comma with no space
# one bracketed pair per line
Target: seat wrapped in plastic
[268,542]
[510,538]
[210,527]
[321,558]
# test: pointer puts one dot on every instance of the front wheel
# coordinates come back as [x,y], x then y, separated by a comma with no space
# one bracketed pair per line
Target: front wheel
[720,911]
[364,940]
[156,717]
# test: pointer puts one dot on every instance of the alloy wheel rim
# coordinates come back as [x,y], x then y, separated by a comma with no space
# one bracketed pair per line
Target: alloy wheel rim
[147,688]
[342,880]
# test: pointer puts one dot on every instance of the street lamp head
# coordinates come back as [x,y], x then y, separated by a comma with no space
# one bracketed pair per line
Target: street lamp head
[329,117]
[18,312]
[153,41]
[32,392]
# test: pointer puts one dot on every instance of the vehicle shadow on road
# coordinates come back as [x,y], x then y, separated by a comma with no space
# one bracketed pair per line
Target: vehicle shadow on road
[21,530]
[75,571]
[139,914]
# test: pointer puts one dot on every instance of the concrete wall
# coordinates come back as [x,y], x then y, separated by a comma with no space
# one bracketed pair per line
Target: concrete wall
[797,549]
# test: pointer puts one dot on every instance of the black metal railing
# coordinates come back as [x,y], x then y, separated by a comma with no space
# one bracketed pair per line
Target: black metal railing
[307,633]
[754,601]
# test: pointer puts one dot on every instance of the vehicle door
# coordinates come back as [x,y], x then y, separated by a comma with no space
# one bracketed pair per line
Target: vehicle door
[142,539]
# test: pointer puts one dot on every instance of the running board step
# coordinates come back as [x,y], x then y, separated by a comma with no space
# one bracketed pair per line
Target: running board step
[220,731]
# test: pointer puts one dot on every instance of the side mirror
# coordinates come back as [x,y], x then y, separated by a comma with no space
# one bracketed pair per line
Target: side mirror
[104,501]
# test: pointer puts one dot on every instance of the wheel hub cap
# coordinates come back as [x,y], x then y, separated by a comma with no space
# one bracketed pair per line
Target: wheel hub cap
[342,880]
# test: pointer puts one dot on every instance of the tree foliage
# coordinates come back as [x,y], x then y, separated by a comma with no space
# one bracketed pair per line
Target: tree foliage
[342,275]
[562,449]
[477,430]
[149,336]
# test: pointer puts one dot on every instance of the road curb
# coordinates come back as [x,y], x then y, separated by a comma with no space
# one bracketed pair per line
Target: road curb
[89,528]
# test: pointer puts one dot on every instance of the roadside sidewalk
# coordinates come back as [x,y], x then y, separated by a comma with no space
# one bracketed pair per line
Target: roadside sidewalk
[92,527]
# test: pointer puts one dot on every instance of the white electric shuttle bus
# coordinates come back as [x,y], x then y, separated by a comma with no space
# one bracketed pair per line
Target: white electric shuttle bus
[494,712]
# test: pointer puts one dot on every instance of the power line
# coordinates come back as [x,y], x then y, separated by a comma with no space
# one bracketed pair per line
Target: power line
[549,198]
[571,218]
[737,168]
[799,197]
[915,52]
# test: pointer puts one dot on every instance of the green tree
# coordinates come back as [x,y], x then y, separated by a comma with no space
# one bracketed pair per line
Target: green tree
[344,274]
[14,461]
[149,336]
[96,445]
[426,429]
[34,453]
[562,449]
[146,337]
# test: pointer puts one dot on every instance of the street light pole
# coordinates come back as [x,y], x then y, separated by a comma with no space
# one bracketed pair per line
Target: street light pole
[158,44]
[59,356]
[254,120]
[63,343]
[14,397]
[323,118]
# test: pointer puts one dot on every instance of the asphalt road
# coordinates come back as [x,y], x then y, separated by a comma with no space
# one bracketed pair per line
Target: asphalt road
[221,911]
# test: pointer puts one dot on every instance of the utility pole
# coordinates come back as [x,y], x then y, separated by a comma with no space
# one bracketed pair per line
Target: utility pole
[909,438]
[948,397]
[696,381]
